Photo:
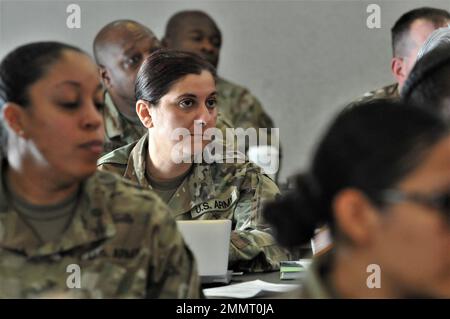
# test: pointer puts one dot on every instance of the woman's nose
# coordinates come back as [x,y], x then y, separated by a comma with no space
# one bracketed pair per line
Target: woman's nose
[205,115]
[92,118]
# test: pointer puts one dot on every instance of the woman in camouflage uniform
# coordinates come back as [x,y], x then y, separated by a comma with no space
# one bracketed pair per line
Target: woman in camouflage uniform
[380,179]
[67,230]
[176,91]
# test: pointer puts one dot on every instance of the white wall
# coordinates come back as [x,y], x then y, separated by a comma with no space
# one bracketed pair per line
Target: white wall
[303,59]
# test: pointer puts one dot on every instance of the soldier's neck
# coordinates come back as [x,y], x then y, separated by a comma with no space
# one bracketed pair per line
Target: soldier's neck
[161,167]
[166,170]
[38,186]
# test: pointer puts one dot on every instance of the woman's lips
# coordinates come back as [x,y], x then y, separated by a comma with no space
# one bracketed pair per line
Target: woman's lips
[95,146]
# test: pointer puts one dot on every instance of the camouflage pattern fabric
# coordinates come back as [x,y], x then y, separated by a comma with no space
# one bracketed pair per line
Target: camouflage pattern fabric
[315,284]
[122,237]
[118,130]
[243,110]
[387,92]
[240,106]
[234,191]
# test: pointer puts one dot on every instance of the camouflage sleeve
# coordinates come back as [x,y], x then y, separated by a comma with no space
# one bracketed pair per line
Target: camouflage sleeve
[173,270]
[253,247]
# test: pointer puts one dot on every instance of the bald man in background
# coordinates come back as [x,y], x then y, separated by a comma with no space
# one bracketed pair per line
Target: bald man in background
[120,47]
[195,31]
[408,34]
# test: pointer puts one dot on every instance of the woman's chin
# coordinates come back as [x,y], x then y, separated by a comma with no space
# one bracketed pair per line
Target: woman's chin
[85,171]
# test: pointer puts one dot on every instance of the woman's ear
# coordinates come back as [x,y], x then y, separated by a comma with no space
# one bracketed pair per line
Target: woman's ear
[14,117]
[143,111]
[356,217]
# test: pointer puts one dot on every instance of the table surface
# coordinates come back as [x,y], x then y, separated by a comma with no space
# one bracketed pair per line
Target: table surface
[271,277]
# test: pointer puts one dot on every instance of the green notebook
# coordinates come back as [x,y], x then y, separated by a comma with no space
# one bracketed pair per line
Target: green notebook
[292,269]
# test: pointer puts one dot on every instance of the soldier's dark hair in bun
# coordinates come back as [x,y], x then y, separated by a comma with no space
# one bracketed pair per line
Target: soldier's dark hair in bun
[163,68]
[428,84]
[22,67]
[292,214]
[370,147]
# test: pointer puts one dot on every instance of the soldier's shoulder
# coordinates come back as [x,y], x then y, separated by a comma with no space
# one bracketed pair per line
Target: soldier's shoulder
[386,92]
[223,122]
[137,212]
[118,156]
[230,88]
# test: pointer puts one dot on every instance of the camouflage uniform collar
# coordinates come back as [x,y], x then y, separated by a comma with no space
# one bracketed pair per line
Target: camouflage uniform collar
[113,123]
[196,188]
[390,91]
[137,160]
[393,91]
[114,126]
[91,223]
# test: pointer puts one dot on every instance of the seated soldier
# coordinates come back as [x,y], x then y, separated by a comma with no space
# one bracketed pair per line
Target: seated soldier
[176,92]
[119,49]
[196,32]
[428,85]
[385,199]
[408,34]
[67,230]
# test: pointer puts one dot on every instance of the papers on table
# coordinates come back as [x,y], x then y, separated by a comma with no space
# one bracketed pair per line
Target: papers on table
[249,289]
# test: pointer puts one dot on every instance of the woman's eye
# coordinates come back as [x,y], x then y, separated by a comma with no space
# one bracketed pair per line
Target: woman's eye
[70,105]
[99,105]
[186,103]
[211,103]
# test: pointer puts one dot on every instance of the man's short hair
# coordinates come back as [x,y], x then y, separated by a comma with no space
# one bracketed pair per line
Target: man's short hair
[175,21]
[401,28]
[428,84]
[103,37]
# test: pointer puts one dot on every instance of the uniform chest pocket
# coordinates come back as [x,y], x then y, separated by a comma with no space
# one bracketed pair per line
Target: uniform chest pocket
[220,207]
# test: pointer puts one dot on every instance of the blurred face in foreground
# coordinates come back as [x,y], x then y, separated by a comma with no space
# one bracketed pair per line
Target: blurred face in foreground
[409,235]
